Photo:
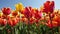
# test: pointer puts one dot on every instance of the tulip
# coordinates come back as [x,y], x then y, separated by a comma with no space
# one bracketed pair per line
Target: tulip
[14,13]
[55,24]
[19,7]
[48,7]
[32,20]
[6,11]
[37,21]
[57,19]
[18,19]
[27,12]
[12,22]
[1,14]
[37,14]
[49,24]
[3,22]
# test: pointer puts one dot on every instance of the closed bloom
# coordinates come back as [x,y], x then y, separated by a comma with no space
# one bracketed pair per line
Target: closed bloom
[1,14]
[14,13]
[3,22]
[37,14]
[32,20]
[12,22]
[19,7]
[6,11]
[54,23]
[49,24]
[57,19]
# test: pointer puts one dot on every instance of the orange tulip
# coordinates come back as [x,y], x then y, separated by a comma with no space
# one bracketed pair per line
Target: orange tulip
[14,13]
[12,22]
[54,23]
[3,22]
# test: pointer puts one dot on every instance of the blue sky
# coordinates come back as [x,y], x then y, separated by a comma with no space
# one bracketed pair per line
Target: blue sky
[33,3]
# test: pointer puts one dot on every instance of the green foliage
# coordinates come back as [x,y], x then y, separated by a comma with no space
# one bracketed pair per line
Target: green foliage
[22,28]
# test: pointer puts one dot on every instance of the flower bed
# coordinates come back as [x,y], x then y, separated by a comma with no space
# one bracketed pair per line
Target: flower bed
[28,20]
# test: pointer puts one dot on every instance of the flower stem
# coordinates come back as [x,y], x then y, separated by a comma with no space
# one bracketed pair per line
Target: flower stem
[51,22]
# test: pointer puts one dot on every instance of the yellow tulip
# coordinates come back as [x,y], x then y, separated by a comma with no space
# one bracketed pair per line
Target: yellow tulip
[19,7]
[1,14]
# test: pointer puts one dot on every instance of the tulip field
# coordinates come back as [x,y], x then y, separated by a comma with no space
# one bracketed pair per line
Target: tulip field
[29,20]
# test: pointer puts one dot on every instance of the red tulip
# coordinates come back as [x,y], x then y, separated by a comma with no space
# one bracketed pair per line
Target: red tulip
[48,7]
[51,6]
[54,23]
[57,19]
[6,11]
[49,24]
[27,12]
[37,14]
[12,22]
[14,13]
[3,22]
[23,19]
[32,20]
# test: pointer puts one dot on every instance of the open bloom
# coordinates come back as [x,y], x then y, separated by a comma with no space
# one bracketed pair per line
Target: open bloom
[48,7]
[6,11]
[27,12]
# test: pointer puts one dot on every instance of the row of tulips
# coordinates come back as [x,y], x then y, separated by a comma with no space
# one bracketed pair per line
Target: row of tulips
[28,20]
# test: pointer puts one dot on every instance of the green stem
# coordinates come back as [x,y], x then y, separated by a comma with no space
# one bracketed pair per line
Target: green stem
[28,25]
[59,30]
[51,23]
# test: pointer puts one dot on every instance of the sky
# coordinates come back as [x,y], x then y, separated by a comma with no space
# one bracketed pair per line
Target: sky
[33,3]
